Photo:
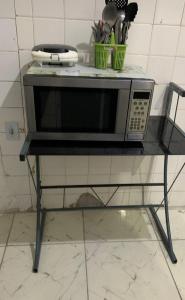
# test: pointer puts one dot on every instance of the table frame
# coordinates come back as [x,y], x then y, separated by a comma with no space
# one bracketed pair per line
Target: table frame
[153,208]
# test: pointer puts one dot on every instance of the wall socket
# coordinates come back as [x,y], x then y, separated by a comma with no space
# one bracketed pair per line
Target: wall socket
[12,131]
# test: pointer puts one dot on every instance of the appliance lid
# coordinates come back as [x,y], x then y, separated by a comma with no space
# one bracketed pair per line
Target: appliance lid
[54,48]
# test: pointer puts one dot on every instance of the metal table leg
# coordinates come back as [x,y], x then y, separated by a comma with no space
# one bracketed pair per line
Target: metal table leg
[41,214]
[166,238]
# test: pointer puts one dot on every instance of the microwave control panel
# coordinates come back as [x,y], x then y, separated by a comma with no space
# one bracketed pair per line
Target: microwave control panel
[139,111]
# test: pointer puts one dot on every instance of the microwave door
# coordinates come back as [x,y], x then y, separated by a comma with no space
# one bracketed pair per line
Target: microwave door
[80,113]
[122,111]
[89,110]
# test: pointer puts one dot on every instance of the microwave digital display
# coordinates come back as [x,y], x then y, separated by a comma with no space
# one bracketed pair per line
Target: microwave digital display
[142,95]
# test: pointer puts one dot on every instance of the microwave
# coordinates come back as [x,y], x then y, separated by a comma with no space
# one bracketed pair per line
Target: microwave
[66,104]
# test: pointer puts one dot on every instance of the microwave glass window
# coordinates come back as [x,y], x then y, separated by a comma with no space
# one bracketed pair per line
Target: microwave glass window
[75,109]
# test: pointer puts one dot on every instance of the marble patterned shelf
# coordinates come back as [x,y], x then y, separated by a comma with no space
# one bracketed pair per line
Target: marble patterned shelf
[135,72]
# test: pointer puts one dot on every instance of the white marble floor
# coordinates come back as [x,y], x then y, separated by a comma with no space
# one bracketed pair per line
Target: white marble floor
[91,255]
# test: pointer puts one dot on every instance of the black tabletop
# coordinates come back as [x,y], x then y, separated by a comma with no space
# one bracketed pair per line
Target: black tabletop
[163,137]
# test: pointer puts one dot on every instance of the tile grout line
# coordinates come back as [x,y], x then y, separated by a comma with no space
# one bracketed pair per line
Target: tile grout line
[87,285]
[163,254]
[11,226]
[22,93]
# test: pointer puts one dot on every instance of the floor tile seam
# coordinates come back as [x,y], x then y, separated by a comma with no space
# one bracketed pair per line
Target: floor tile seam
[121,241]
[82,242]
[44,244]
[5,247]
[85,253]
[165,259]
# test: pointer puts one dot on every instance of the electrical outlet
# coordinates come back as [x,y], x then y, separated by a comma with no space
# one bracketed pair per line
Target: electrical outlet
[12,130]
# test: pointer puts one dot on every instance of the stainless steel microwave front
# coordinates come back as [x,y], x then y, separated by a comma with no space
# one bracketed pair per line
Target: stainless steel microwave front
[125,88]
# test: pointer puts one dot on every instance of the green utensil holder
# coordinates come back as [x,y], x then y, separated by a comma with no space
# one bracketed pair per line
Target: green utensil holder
[102,52]
[118,56]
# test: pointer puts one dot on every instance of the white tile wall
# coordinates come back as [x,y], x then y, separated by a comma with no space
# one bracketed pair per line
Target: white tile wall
[99,5]
[161,68]
[50,201]
[156,42]
[141,60]
[169,12]
[9,66]
[25,32]
[76,166]
[141,44]
[25,59]
[74,36]
[53,165]
[181,44]
[11,114]
[16,203]
[13,167]
[14,185]
[7,9]
[48,31]
[179,70]
[10,94]
[81,9]
[157,102]
[99,165]
[23,8]
[146,11]
[9,147]
[8,35]
[162,38]
[47,9]
[183,18]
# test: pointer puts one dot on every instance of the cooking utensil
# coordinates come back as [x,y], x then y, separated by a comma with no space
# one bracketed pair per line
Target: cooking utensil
[120,19]
[106,33]
[97,30]
[120,4]
[130,14]
[126,26]
[109,14]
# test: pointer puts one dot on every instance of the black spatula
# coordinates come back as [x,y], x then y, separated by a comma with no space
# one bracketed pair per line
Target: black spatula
[131,12]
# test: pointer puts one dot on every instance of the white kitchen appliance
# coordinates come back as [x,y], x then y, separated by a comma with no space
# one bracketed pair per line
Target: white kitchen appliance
[55,54]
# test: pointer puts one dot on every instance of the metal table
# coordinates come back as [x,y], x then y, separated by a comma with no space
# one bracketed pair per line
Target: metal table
[164,138]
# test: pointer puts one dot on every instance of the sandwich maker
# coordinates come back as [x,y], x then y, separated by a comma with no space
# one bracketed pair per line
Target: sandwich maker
[55,54]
